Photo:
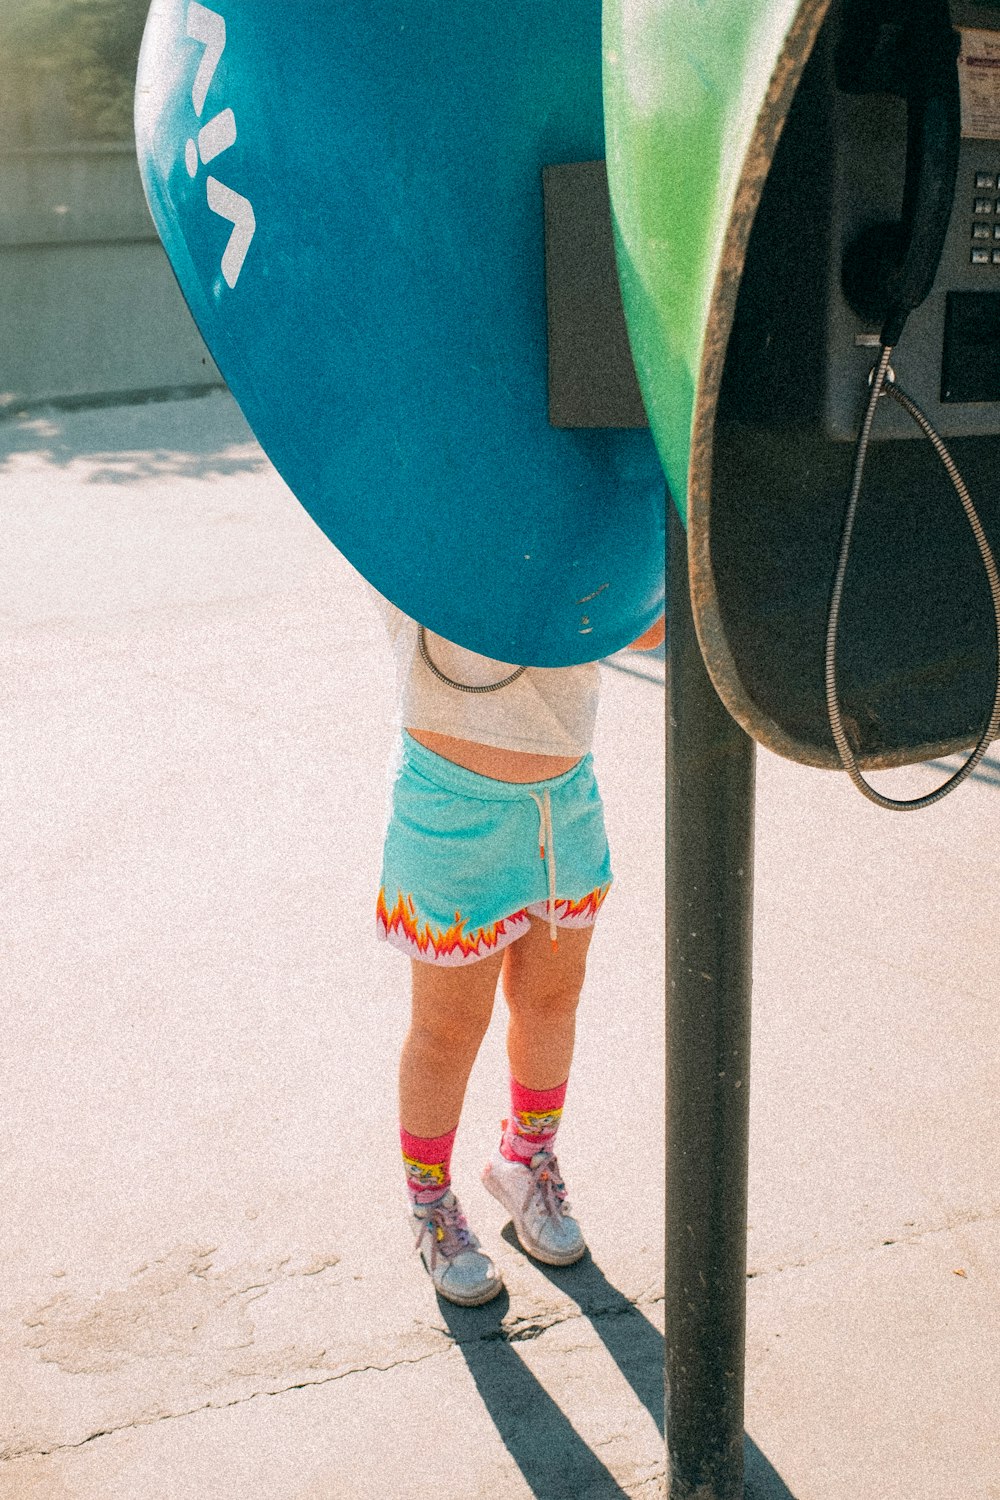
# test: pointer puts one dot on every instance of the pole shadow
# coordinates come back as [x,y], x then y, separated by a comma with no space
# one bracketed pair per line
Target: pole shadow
[637,1349]
[761,1480]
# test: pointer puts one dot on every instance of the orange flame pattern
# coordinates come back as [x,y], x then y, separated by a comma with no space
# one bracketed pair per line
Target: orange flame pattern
[454,945]
[580,913]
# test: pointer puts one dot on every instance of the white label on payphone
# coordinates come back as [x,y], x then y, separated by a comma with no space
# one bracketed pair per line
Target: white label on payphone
[979,84]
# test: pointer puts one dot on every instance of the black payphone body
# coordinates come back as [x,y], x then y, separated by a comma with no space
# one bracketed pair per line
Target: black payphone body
[917,654]
[953,336]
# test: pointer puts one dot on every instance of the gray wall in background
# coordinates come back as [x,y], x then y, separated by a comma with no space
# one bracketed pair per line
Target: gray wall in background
[89,308]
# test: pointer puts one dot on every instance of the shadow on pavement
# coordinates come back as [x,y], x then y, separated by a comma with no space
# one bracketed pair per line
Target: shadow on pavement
[761,1481]
[988,769]
[634,1343]
[552,1457]
[555,1461]
[197,436]
[651,666]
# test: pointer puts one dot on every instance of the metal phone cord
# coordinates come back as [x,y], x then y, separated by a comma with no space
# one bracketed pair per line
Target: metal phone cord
[883,382]
[463,687]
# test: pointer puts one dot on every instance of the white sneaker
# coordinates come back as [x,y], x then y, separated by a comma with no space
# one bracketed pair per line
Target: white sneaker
[535,1195]
[451,1253]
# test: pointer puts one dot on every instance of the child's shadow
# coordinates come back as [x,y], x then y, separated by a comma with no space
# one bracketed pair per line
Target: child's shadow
[555,1461]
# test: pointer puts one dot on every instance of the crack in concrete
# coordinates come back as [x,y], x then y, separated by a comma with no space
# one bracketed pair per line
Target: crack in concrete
[171,1416]
[650,1488]
[918,1235]
[527,1329]
[531,1328]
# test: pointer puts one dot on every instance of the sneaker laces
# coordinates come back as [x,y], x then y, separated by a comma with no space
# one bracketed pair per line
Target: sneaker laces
[549,1188]
[450,1233]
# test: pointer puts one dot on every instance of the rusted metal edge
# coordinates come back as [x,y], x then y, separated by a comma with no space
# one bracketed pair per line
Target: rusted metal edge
[719,660]
[711,633]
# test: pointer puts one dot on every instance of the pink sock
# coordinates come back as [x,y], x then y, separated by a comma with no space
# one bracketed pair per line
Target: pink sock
[427,1161]
[534,1120]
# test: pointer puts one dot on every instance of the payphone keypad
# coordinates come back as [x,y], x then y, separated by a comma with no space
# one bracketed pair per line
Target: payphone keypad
[986,220]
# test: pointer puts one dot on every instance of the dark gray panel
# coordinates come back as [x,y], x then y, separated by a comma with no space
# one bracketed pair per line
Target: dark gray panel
[592,381]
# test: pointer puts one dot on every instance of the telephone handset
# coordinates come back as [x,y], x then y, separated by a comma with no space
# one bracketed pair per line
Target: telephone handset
[907,48]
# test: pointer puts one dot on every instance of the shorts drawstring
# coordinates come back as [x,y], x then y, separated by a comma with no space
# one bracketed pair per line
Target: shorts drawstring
[547,851]
[460,875]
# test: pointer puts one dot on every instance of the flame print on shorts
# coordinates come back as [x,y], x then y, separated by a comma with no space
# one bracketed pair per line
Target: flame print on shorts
[452,945]
[582,913]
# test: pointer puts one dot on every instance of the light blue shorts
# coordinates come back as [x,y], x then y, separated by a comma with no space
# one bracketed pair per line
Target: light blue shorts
[469,859]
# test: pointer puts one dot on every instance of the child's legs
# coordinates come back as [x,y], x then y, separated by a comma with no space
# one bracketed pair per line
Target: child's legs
[542,987]
[451,1011]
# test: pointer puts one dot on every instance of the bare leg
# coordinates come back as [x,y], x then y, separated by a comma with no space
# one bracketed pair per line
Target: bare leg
[451,1011]
[542,989]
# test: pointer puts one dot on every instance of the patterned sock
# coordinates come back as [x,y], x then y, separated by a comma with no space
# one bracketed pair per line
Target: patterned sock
[427,1162]
[534,1120]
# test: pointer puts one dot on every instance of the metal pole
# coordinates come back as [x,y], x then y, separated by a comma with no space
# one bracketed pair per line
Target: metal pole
[709,889]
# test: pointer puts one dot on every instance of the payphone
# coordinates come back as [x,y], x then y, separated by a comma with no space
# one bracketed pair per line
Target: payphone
[916,121]
[877,230]
[864,184]
[800,194]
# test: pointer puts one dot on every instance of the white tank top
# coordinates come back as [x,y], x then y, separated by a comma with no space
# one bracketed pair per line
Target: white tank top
[544,711]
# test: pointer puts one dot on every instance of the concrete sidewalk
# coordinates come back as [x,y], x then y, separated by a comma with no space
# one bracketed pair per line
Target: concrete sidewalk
[201,1039]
